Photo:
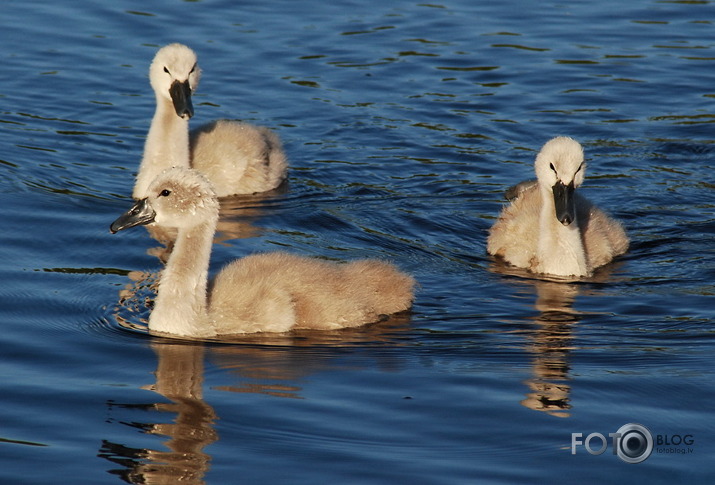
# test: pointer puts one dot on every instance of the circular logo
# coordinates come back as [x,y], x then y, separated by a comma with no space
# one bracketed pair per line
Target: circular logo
[635,443]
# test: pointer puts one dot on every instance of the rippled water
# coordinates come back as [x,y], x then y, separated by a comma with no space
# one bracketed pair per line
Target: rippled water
[404,122]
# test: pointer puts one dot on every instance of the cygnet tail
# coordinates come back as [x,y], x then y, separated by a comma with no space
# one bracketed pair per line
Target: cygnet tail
[391,290]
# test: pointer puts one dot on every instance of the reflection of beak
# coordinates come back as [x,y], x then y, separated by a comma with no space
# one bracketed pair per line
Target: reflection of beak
[564,202]
[141,213]
[181,97]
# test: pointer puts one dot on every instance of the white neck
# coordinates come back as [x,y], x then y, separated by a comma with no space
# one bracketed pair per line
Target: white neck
[180,307]
[166,146]
[560,250]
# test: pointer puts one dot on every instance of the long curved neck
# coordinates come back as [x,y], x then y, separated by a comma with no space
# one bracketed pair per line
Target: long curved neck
[560,250]
[166,146]
[180,307]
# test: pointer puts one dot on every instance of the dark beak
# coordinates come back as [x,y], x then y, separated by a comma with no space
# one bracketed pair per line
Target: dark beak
[564,202]
[141,213]
[181,96]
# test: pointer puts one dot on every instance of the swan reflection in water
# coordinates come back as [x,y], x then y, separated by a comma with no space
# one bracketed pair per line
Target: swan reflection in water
[550,338]
[550,343]
[272,365]
[179,378]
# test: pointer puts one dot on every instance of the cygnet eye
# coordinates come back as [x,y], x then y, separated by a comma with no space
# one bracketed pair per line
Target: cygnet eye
[165,193]
[166,70]
[552,167]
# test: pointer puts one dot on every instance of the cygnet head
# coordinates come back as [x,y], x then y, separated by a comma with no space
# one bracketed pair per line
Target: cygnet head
[174,74]
[178,197]
[560,167]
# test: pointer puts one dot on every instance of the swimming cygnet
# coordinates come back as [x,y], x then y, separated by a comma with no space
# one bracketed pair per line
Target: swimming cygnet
[270,292]
[549,227]
[238,158]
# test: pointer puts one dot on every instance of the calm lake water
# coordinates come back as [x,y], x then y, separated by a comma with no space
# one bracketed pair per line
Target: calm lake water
[404,123]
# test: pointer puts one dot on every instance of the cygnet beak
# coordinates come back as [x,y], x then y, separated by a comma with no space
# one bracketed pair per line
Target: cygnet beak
[180,93]
[141,213]
[564,202]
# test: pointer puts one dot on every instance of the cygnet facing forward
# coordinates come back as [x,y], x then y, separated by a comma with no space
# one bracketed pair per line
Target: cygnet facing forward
[549,227]
[237,157]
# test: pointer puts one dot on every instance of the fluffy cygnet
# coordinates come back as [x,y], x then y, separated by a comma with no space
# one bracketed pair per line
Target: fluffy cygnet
[271,292]
[549,227]
[238,158]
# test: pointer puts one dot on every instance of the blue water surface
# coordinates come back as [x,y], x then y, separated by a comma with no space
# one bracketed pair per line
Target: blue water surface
[404,123]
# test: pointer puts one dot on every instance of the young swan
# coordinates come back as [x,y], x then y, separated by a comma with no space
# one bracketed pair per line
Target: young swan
[271,292]
[551,228]
[238,158]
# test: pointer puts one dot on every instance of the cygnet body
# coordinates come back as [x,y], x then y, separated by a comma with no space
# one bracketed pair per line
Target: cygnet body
[270,292]
[238,158]
[549,227]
